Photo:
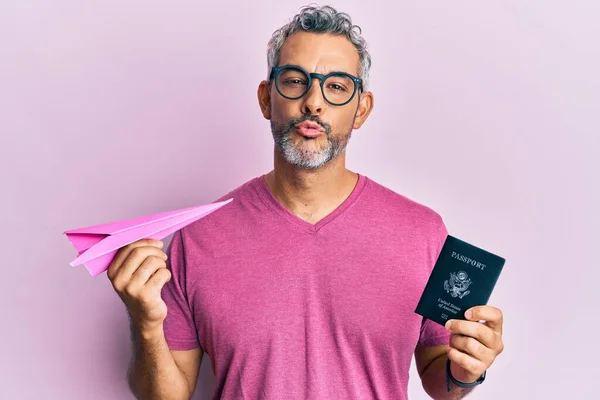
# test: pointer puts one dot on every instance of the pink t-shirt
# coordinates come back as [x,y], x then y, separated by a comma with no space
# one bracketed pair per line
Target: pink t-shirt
[290,310]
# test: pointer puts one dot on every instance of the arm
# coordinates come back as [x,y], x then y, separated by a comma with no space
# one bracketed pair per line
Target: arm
[139,273]
[431,364]
[155,372]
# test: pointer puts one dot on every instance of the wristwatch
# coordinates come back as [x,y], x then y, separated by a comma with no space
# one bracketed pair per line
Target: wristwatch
[449,378]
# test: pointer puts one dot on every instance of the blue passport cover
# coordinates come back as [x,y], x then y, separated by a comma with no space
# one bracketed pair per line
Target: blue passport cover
[463,276]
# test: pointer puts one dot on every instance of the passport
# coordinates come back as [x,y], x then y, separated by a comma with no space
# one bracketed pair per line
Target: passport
[463,276]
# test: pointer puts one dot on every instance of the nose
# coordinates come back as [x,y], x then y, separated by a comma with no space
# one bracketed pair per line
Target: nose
[313,100]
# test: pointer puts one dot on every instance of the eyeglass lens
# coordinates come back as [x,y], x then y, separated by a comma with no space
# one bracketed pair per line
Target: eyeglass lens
[337,89]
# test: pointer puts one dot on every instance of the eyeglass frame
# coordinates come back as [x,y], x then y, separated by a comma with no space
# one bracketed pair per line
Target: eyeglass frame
[358,82]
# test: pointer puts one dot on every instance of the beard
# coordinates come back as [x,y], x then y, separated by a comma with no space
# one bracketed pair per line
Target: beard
[304,154]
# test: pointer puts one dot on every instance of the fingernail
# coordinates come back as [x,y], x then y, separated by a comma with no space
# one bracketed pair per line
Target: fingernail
[468,314]
[160,243]
[448,325]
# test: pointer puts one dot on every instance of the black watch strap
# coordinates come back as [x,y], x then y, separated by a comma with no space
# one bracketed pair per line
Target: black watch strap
[449,378]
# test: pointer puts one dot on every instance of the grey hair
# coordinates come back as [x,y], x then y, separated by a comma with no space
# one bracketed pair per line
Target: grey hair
[324,19]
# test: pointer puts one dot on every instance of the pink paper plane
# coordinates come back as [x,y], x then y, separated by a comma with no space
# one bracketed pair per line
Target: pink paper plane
[97,245]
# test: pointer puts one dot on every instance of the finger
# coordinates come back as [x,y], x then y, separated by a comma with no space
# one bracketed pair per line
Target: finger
[472,347]
[136,259]
[159,279]
[477,330]
[490,314]
[155,283]
[147,268]
[469,363]
[132,263]
[124,252]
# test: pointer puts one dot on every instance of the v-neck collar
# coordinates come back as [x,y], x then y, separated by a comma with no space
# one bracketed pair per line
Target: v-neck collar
[290,217]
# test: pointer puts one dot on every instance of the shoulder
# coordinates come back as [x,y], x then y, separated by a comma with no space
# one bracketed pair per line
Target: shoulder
[240,191]
[231,214]
[400,206]
[409,220]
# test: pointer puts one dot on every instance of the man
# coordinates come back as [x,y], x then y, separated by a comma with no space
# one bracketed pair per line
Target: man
[305,285]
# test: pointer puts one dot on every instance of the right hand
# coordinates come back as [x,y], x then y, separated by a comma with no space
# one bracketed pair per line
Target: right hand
[138,272]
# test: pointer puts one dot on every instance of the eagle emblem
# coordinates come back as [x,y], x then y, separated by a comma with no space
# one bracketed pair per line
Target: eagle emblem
[458,284]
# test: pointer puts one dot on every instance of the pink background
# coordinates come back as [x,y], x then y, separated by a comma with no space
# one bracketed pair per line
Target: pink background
[485,111]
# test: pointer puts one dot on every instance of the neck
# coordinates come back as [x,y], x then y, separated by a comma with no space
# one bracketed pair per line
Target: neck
[311,194]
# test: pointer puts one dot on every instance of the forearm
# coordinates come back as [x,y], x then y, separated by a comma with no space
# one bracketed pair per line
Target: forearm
[434,382]
[153,373]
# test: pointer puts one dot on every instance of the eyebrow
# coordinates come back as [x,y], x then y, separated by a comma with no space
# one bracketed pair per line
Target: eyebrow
[332,72]
[327,71]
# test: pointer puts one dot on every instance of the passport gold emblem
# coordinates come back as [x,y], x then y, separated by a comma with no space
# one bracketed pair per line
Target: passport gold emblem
[458,285]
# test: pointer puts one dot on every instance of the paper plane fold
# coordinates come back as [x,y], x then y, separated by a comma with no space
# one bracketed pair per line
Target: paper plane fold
[97,245]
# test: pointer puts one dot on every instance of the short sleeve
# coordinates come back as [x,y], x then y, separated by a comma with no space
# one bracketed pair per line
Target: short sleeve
[432,333]
[180,330]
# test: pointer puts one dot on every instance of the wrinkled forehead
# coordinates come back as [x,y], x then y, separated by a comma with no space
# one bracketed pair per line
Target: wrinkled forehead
[321,53]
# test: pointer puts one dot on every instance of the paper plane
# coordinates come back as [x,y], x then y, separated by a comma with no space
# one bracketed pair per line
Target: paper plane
[97,245]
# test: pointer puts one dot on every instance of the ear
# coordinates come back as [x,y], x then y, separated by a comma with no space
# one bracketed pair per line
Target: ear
[365,106]
[264,99]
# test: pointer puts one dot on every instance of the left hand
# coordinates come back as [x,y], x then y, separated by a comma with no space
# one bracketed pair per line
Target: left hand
[474,345]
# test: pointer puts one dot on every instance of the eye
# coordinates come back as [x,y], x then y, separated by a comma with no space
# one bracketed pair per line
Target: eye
[294,82]
[337,88]
[338,84]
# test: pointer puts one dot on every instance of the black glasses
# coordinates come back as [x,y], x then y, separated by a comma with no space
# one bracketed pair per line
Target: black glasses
[293,82]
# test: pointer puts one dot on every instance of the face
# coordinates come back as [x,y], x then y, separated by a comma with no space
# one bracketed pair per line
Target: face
[321,53]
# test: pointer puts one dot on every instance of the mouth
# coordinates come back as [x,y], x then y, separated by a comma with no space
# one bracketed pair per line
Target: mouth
[309,130]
